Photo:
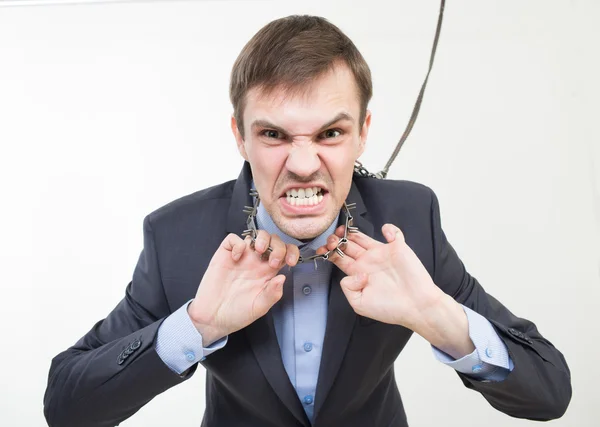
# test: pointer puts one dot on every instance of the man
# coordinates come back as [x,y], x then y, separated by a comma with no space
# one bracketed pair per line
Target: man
[288,339]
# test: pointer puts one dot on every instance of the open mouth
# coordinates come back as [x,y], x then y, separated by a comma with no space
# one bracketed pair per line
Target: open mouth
[310,196]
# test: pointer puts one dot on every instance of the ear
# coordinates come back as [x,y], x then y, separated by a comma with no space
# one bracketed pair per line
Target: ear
[238,138]
[364,132]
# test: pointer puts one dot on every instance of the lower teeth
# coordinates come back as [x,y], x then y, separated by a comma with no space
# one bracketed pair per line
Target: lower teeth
[305,201]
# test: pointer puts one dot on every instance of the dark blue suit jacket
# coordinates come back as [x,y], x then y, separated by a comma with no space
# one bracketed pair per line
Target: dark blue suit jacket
[114,369]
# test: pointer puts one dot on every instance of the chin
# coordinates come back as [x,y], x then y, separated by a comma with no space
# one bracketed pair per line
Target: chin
[303,228]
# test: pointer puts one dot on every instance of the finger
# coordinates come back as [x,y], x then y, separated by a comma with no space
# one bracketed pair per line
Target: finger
[349,248]
[230,241]
[363,240]
[271,293]
[262,241]
[392,233]
[292,254]
[345,263]
[321,250]
[238,249]
[354,297]
[356,282]
[277,255]
[340,231]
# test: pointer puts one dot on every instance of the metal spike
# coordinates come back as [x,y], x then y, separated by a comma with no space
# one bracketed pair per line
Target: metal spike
[351,206]
[339,252]
[315,261]
[352,229]
[253,193]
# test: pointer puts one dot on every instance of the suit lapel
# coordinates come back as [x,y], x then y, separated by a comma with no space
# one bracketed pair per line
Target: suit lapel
[341,317]
[261,333]
[263,340]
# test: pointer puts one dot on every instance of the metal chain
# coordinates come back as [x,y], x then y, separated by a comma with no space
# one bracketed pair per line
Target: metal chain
[359,169]
[252,231]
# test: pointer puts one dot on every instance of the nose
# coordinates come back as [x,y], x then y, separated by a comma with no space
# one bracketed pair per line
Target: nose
[303,160]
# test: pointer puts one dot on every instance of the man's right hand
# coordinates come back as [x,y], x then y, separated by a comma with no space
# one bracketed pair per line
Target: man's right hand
[239,285]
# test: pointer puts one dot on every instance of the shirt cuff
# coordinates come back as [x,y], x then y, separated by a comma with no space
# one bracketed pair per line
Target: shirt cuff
[179,344]
[490,359]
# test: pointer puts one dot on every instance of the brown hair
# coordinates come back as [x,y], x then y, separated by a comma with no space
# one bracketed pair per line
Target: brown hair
[291,52]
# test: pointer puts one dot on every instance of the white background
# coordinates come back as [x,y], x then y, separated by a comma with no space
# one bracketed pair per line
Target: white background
[109,111]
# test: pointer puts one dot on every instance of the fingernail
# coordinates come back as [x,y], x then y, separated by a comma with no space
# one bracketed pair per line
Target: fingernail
[275,262]
[260,245]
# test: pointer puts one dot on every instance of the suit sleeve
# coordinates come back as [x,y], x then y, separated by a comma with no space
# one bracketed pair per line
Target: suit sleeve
[539,386]
[112,371]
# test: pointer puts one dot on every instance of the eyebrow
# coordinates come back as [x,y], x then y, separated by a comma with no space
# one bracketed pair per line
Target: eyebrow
[267,124]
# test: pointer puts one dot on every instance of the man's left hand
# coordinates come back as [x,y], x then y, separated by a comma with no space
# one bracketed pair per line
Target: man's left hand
[387,282]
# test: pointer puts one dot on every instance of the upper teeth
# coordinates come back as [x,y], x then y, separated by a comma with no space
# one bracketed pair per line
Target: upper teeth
[304,196]
[303,192]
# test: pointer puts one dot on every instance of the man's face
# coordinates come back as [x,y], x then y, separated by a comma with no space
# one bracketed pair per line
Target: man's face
[302,150]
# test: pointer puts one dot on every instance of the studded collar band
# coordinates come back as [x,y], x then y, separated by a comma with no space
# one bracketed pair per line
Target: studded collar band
[252,229]
[242,204]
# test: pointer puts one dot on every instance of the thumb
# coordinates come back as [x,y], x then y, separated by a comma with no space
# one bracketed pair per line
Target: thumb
[353,286]
[271,293]
[354,283]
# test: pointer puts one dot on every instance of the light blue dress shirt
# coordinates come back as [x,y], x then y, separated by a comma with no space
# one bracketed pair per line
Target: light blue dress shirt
[300,319]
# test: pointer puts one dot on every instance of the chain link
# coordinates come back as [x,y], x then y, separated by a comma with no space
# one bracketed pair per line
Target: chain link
[360,170]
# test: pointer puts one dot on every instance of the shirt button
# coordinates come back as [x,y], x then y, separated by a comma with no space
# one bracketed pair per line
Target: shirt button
[306,290]
[190,356]
[308,399]
[477,368]
[488,352]
[308,346]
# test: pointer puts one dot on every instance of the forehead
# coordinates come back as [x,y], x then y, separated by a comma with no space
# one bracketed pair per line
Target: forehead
[328,94]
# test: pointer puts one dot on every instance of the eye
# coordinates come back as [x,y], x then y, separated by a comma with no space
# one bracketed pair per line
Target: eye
[271,134]
[331,133]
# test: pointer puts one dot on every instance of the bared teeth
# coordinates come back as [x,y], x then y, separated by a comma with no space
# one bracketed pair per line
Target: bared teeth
[304,196]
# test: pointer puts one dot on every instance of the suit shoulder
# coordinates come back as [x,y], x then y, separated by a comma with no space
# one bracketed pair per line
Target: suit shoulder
[402,191]
[194,204]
